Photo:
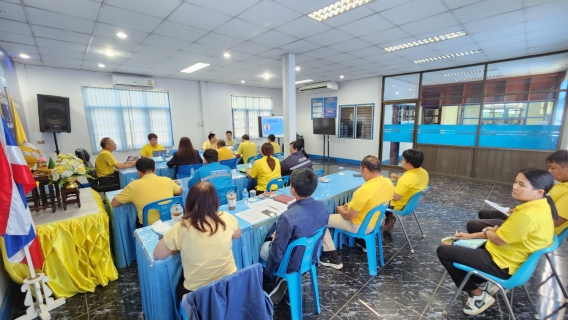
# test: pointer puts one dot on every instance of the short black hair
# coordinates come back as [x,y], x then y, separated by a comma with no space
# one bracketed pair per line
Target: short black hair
[245,137]
[372,164]
[231,132]
[271,137]
[220,143]
[413,156]
[210,155]
[559,157]
[152,136]
[211,135]
[104,142]
[145,164]
[304,181]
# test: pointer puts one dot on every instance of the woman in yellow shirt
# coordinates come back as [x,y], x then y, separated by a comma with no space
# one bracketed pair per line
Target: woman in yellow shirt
[265,169]
[529,228]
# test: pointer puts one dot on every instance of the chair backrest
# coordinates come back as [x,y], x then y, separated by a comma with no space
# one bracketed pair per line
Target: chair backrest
[280,182]
[562,236]
[279,155]
[412,203]
[222,193]
[231,163]
[526,270]
[83,155]
[185,171]
[319,172]
[163,206]
[378,210]
[253,158]
[309,243]
[173,151]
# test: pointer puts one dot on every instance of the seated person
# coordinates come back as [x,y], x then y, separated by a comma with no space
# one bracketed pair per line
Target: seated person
[229,142]
[246,149]
[298,158]
[265,169]
[185,155]
[413,180]
[302,219]
[272,141]
[529,229]
[224,152]
[219,175]
[375,191]
[148,188]
[148,150]
[558,167]
[211,143]
[204,238]
[106,163]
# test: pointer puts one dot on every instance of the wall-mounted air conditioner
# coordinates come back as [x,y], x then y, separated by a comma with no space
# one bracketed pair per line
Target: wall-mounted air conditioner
[130,81]
[330,85]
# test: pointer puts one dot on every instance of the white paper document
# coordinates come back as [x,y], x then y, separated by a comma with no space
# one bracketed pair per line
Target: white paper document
[252,216]
[269,204]
[262,210]
[505,210]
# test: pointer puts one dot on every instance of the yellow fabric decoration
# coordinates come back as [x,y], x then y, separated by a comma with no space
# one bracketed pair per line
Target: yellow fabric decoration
[18,128]
[76,254]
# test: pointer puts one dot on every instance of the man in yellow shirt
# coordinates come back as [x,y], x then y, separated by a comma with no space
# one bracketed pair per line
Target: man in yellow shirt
[247,149]
[148,188]
[412,181]
[223,152]
[272,139]
[211,143]
[106,163]
[148,150]
[230,142]
[375,191]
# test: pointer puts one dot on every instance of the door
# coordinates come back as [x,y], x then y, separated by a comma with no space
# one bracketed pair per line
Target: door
[398,131]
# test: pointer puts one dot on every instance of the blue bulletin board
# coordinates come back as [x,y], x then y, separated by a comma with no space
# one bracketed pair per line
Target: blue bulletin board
[324,107]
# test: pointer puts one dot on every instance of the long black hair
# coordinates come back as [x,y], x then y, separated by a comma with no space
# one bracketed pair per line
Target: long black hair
[542,179]
[299,145]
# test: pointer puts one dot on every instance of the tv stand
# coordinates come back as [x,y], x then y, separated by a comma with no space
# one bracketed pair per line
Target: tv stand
[325,137]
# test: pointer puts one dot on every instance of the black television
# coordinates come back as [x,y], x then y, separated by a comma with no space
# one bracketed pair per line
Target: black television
[324,126]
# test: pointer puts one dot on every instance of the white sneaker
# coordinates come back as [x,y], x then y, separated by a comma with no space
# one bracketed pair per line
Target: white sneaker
[489,287]
[477,304]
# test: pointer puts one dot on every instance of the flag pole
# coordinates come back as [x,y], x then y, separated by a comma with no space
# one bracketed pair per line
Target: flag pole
[29,260]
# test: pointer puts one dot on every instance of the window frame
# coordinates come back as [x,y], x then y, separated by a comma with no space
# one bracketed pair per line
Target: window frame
[246,115]
[354,121]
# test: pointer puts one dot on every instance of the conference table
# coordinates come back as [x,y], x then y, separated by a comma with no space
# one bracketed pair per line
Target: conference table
[123,219]
[159,277]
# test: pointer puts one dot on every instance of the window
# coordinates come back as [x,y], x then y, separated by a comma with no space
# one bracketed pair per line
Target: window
[246,111]
[127,116]
[356,121]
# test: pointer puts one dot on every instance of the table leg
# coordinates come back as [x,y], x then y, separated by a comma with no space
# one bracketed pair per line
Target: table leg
[57,195]
[35,198]
[43,196]
[52,197]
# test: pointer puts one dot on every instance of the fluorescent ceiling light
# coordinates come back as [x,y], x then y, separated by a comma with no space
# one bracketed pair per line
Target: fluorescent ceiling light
[24,56]
[243,81]
[298,69]
[465,72]
[109,53]
[476,78]
[337,8]
[448,56]
[341,76]
[195,67]
[304,81]
[427,41]
[266,76]
[121,35]
[226,55]
[101,65]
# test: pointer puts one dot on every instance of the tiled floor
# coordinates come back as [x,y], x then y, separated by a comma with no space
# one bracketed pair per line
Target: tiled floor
[410,286]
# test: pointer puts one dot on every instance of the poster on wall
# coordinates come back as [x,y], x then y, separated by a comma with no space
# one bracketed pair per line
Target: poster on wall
[324,107]
[317,108]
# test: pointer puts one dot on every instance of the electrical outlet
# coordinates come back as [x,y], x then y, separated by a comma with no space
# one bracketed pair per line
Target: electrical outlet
[41,142]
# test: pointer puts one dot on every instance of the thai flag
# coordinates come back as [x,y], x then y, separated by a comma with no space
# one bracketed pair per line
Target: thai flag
[16,180]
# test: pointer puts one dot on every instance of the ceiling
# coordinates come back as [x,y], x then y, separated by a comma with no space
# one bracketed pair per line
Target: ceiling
[167,36]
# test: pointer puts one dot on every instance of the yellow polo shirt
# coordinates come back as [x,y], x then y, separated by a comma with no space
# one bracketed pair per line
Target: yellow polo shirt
[148,189]
[147,150]
[225,153]
[371,194]
[528,229]
[559,194]
[276,147]
[410,183]
[104,165]
[261,171]
[247,149]
[208,145]
[230,143]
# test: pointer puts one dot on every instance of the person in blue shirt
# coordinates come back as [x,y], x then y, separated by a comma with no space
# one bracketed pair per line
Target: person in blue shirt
[302,219]
[219,175]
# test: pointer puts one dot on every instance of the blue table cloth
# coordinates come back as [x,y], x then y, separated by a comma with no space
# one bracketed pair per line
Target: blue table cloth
[130,174]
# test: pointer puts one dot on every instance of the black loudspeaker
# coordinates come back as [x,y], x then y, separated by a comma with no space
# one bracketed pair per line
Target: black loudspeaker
[53,113]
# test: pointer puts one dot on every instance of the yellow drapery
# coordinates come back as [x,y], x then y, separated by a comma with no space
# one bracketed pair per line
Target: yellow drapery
[76,254]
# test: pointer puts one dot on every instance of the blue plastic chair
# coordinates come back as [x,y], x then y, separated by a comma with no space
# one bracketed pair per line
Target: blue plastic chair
[222,193]
[319,172]
[163,206]
[279,182]
[369,237]
[295,279]
[279,155]
[172,152]
[521,276]
[253,158]
[185,171]
[561,238]
[410,208]
[231,163]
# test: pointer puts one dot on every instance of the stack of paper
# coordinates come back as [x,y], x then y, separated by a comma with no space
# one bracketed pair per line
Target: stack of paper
[505,210]
[262,210]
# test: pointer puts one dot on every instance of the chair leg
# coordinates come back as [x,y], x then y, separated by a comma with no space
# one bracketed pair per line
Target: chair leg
[380,245]
[536,316]
[371,255]
[458,291]
[555,274]
[315,289]
[509,308]
[295,295]
[405,234]
[419,226]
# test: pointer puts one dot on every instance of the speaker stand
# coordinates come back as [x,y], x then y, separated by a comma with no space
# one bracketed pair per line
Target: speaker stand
[56,146]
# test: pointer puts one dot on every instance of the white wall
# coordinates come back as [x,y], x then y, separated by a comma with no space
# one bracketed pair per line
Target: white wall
[350,92]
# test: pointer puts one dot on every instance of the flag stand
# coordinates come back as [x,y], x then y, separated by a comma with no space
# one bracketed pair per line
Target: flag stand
[38,308]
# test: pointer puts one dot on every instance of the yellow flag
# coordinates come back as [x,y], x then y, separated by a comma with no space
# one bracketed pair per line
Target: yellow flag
[18,128]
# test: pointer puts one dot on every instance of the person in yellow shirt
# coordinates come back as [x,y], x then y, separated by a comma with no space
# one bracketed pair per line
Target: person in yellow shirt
[375,191]
[529,228]
[148,188]
[271,140]
[106,163]
[223,152]
[413,180]
[247,149]
[211,143]
[229,142]
[148,150]
[265,169]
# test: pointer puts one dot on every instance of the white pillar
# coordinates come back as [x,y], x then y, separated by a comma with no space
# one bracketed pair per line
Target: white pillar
[289,98]
[205,121]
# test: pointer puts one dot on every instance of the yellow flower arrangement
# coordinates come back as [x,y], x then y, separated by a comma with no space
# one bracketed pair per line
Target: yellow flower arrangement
[68,166]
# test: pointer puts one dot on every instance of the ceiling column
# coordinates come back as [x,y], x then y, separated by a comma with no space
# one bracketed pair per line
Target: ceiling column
[289,98]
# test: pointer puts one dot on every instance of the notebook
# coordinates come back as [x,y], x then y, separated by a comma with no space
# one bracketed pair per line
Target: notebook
[285,199]
[470,243]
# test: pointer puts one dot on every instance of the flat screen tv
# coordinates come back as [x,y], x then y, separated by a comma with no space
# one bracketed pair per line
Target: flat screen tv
[324,126]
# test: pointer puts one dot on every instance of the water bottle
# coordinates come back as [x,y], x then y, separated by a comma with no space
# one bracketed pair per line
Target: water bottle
[191,172]
[245,194]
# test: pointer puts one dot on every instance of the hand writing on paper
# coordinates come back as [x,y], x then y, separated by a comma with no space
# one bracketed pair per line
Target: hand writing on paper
[462,235]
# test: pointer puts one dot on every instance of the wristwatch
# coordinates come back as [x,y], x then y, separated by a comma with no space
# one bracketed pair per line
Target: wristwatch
[485,232]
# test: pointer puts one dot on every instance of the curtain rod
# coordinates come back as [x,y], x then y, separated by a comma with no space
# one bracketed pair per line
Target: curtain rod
[124,89]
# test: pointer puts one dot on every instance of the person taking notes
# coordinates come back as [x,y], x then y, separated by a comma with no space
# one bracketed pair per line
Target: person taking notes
[152,146]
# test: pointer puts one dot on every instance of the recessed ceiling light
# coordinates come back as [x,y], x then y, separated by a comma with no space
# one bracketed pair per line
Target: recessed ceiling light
[448,56]
[341,76]
[397,93]
[243,81]
[24,56]
[266,76]
[334,9]
[195,67]
[465,72]
[122,35]
[101,65]
[226,55]
[109,53]
[304,81]
[427,41]
[298,69]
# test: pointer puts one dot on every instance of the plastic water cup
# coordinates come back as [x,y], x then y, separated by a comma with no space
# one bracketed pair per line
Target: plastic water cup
[252,195]
[341,171]
[232,200]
